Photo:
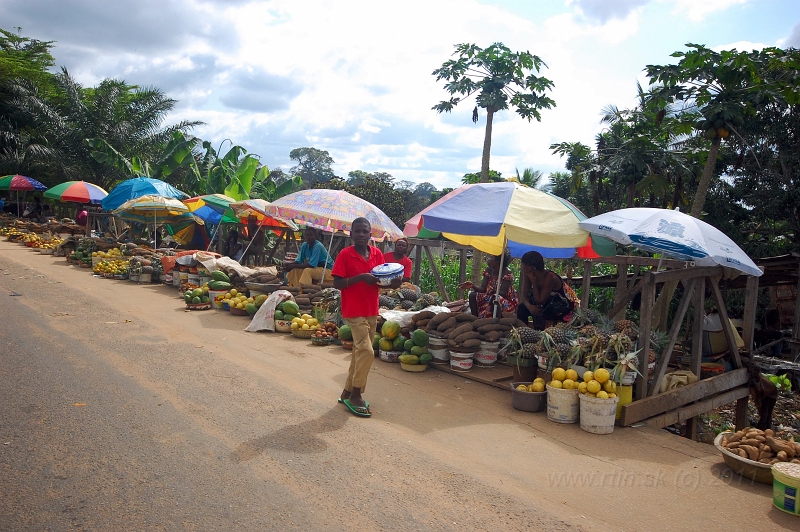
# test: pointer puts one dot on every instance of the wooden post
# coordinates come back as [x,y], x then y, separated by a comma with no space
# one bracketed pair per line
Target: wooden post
[750,305]
[661,366]
[586,287]
[462,267]
[622,285]
[726,323]
[796,325]
[697,325]
[645,316]
[436,275]
[417,262]
[741,412]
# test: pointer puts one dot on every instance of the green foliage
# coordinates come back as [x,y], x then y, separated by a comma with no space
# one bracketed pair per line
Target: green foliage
[494,177]
[781,382]
[313,165]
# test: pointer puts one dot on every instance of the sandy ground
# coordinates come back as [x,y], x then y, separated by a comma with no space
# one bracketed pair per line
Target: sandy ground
[121,410]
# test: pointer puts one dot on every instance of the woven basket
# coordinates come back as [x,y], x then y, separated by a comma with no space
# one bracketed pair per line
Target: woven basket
[300,333]
[283,326]
[238,311]
[320,341]
[199,306]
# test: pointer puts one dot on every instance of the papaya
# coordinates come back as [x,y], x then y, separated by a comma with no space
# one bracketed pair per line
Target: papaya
[420,338]
[385,344]
[219,285]
[290,307]
[345,333]
[251,308]
[260,300]
[219,275]
[409,359]
[188,298]
[375,340]
[390,329]
[425,358]
[278,315]
[398,344]
[408,344]
[418,350]
[204,299]
[196,300]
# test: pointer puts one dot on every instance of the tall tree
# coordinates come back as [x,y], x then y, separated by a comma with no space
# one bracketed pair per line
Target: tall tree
[529,177]
[313,165]
[723,89]
[501,79]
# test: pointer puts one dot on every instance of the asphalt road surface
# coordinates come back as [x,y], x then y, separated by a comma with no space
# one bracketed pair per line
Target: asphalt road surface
[119,410]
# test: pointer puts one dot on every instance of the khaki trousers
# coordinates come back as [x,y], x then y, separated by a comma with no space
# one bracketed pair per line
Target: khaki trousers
[363,356]
[303,276]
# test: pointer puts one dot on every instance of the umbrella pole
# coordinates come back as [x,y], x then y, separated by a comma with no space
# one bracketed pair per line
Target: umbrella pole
[251,240]
[499,277]
[213,235]
[325,269]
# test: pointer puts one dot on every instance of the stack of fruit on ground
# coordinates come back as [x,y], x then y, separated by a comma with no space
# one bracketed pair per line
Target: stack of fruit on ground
[112,268]
[410,348]
[590,340]
[53,243]
[465,331]
[238,300]
[83,253]
[407,297]
[762,446]
[287,310]
[536,386]
[597,384]
[326,333]
[220,281]
[237,281]
[197,296]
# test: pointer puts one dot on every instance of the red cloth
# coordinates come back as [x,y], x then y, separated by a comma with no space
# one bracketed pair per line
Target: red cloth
[81,218]
[405,261]
[359,300]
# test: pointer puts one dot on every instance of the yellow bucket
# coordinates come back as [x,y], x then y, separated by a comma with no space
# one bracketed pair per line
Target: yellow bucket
[785,487]
[625,394]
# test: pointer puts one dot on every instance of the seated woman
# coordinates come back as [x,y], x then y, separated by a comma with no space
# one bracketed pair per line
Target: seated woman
[312,262]
[544,296]
[484,298]
[398,256]
[233,248]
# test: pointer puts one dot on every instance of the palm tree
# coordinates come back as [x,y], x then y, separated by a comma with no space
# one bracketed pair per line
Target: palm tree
[126,117]
[530,177]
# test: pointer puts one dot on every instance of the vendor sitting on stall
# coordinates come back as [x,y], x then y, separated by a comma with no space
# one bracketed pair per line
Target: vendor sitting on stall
[310,264]
[484,298]
[398,256]
[543,295]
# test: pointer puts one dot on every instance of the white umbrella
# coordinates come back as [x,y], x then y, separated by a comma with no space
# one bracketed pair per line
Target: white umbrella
[672,233]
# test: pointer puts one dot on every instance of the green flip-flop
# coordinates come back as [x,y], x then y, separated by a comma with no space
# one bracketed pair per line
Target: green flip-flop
[341,402]
[361,411]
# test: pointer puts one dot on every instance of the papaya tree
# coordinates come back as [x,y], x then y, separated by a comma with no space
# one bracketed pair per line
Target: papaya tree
[499,79]
[722,89]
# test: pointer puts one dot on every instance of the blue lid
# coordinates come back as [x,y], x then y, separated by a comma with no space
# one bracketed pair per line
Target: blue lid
[389,268]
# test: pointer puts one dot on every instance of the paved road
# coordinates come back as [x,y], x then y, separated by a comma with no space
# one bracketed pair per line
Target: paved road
[121,411]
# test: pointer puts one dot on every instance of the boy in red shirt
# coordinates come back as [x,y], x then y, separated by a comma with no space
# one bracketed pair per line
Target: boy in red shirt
[351,275]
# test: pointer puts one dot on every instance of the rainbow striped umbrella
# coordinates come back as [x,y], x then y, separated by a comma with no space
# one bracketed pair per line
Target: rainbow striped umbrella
[333,210]
[20,182]
[494,216]
[77,192]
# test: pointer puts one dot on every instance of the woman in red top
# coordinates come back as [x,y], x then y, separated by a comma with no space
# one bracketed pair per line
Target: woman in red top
[351,275]
[399,256]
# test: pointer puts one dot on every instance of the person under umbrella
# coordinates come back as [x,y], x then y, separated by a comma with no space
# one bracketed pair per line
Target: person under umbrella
[399,256]
[311,262]
[484,298]
[543,294]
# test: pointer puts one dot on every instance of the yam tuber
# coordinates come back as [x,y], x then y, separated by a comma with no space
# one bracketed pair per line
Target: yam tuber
[752,452]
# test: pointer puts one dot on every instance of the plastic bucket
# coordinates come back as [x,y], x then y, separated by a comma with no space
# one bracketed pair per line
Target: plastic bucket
[563,406]
[146,278]
[598,415]
[486,355]
[460,361]
[390,356]
[785,487]
[212,294]
[192,278]
[437,347]
[527,401]
[625,394]
[542,361]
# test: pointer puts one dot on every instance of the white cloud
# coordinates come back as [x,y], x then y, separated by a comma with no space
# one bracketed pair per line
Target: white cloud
[697,11]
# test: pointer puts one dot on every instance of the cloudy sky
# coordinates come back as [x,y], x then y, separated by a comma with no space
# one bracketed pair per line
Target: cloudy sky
[354,77]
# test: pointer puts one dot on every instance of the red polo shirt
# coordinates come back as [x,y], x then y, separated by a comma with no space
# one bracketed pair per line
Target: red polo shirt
[359,299]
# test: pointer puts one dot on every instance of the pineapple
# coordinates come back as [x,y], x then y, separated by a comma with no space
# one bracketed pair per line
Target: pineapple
[408,294]
[626,327]
[406,304]
[386,301]
[529,351]
[557,334]
[528,335]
